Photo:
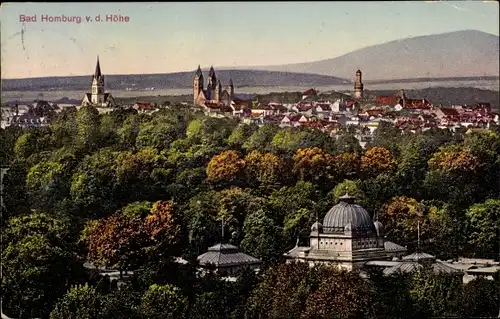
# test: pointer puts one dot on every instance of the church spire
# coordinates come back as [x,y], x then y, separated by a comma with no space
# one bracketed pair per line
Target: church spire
[97,72]
[211,72]
[198,72]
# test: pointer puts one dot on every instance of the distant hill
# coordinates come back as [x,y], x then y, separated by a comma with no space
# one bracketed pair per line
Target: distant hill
[241,78]
[456,54]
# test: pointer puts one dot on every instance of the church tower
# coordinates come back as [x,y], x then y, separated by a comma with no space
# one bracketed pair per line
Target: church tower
[230,89]
[197,84]
[212,84]
[97,85]
[358,86]
[218,91]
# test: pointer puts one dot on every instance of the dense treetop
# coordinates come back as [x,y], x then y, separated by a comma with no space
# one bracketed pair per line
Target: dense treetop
[132,191]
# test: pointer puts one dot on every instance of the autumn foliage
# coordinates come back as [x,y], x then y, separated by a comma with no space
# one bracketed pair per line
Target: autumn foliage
[454,161]
[377,160]
[311,163]
[161,224]
[225,167]
[113,241]
[120,240]
[266,169]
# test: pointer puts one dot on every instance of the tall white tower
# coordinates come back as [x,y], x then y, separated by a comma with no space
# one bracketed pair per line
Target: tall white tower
[358,86]
[97,85]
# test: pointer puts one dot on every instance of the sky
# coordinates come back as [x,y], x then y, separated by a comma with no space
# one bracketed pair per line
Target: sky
[176,37]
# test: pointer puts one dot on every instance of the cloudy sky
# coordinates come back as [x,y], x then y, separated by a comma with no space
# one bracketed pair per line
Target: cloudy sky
[175,37]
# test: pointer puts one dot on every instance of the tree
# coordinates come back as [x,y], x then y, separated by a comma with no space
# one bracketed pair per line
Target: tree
[156,135]
[486,148]
[32,142]
[217,303]
[227,168]
[377,160]
[234,205]
[479,298]
[312,164]
[401,217]
[454,160]
[47,184]
[415,153]
[203,228]
[278,295]
[453,176]
[348,143]
[188,183]
[434,295]
[345,165]
[265,170]
[240,134]
[87,123]
[261,238]
[163,302]
[162,227]
[142,175]
[129,131]
[261,138]
[38,261]
[288,200]
[80,302]
[8,138]
[93,184]
[115,241]
[108,130]
[341,294]
[122,303]
[484,220]
[391,295]
[386,135]
[289,140]
[137,209]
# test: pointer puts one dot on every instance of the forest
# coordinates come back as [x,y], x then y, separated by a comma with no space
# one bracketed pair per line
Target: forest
[132,191]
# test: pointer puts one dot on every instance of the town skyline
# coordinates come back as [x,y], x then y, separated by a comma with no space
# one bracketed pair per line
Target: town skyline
[215,35]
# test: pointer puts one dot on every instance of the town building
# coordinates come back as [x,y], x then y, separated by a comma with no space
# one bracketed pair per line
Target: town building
[358,87]
[98,96]
[213,94]
[348,238]
[227,260]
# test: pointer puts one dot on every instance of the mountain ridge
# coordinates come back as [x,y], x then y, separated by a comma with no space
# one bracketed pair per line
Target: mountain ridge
[466,53]
[241,78]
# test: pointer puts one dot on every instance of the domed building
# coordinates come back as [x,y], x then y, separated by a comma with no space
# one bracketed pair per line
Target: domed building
[347,237]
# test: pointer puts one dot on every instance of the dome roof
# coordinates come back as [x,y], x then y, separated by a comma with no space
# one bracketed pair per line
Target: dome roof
[379,228]
[317,227]
[346,212]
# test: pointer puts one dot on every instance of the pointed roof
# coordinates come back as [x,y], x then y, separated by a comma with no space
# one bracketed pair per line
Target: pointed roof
[231,82]
[211,72]
[198,72]
[97,72]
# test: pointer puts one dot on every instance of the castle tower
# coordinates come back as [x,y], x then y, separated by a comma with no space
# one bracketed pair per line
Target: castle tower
[218,91]
[211,83]
[230,88]
[358,86]
[197,84]
[97,85]
[212,79]
[403,97]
